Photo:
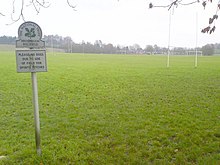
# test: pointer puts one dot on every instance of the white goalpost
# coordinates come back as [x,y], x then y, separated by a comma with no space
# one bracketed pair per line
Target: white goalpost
[194,52]
[169,34]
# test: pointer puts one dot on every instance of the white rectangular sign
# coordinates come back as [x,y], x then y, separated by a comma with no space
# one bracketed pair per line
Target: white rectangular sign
[31,61]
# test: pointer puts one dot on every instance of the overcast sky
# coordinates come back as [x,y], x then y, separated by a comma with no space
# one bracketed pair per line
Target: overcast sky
[123,22]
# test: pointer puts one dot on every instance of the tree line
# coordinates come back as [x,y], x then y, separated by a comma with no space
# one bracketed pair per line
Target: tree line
[67,45]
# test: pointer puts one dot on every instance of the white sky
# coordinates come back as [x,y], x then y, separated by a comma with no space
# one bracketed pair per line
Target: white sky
[123,22]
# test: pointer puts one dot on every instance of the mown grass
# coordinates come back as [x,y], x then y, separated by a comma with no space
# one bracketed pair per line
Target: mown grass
[113,109]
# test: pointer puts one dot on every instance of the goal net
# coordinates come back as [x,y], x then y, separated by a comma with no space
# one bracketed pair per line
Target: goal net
[194,52]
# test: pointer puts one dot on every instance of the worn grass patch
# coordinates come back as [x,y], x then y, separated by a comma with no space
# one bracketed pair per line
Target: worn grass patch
[113,109]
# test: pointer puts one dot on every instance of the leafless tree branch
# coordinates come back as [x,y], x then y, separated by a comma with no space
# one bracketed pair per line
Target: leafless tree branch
[37,4]
[190,3]
[212,20]
[43,4]
[174,3]
[74,7]
[21,15]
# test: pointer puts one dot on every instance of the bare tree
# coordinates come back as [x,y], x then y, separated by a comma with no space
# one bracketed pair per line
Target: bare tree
[175,3]
[18,10]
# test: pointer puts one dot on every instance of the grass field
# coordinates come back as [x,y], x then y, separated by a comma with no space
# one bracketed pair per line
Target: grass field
[112,109]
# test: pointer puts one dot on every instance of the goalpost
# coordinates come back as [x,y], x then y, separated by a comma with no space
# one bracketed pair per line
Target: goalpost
[194,52]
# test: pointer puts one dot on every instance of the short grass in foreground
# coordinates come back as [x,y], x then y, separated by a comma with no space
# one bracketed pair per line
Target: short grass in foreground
[113,109]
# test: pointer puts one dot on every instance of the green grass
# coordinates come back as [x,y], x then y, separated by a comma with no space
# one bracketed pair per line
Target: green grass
[113,109]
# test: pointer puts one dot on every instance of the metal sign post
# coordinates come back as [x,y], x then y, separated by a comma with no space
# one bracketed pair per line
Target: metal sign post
[32,59]
[36,111]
